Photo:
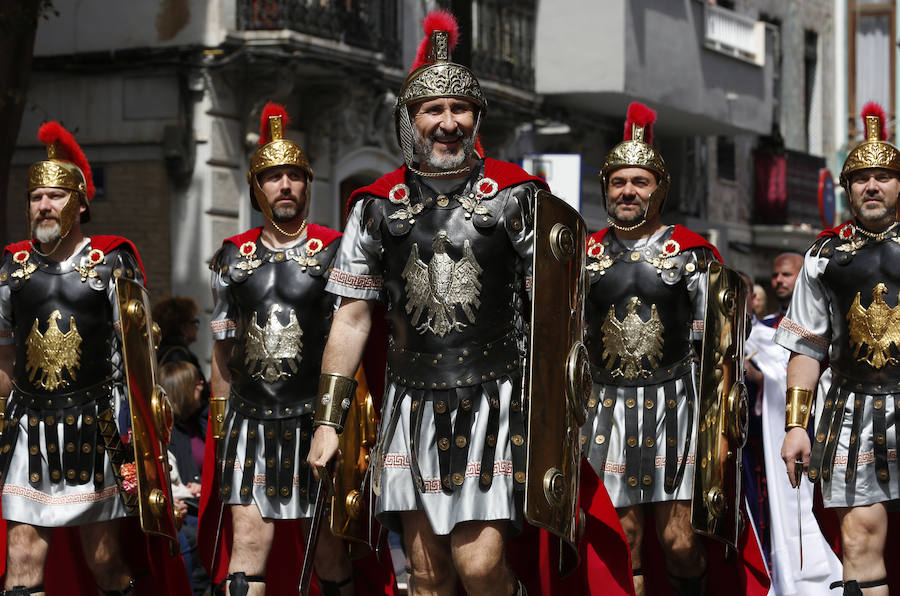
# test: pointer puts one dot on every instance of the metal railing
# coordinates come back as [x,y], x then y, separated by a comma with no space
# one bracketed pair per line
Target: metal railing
[366,24]
[734,34]
[503,41]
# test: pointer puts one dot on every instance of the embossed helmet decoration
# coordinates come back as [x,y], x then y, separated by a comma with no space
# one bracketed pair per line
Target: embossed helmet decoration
[875,151]
[274,150]
[637,151]
[433,75]
[65,167]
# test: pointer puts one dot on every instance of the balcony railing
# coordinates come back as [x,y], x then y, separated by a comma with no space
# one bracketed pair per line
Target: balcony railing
[503,41]
[367,24]
[735,35]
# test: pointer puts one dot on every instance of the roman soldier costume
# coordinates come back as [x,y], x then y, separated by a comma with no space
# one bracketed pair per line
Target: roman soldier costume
[61,456]
[645,304]
[451,259]
[273,304]
[845,310]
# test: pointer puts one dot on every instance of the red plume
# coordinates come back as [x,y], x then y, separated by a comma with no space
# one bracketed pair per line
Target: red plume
[436,20]
[67,149]
[271,109]
[643,116]
[873,109]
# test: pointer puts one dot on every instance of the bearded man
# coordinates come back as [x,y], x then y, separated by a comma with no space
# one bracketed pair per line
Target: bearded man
[61,374]
[645,306]
[446,242]
[270,323]
[845,312]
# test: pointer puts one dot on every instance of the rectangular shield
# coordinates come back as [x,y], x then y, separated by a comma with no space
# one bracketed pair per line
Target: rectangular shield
[151,412]
[558,381]
[723,410]
[351,503]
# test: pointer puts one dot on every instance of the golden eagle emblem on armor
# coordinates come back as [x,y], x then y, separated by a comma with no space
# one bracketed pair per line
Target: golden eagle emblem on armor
[267,346]
[876,327]
[48,353]
[631,340]
[440,286]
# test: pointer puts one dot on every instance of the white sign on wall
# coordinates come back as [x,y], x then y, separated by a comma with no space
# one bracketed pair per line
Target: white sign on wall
[562,171]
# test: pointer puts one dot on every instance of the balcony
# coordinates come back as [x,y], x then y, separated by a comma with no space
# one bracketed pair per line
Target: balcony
[735,35]
[707,71]
[503,42]
[369,25]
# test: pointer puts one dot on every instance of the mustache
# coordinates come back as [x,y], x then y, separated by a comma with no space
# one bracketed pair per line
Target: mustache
[454,136]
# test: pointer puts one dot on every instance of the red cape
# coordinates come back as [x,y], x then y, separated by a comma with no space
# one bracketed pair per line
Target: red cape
[326,235]
[286,558]
[66,571]
[605,561]
[504,173]
[101,242]
[683,236]
[142,551]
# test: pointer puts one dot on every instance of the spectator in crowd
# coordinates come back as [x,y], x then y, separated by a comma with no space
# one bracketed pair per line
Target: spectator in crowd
[184,386]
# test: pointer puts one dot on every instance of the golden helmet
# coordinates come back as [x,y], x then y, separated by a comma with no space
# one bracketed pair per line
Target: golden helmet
[274,150]
[433,75]
[875,151]
[65,167]
[636,151]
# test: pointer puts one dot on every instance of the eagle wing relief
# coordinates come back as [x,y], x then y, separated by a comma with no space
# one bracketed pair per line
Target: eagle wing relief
[418,292]
[267,346]
[859,330]
[465,285]
[874,329]
[613,343]
[631,340]
[438,287]
[48,353]
[652,337]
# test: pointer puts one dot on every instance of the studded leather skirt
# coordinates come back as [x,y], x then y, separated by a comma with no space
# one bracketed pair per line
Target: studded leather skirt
[54,463]
[640,439]
[264,459]
[854,449]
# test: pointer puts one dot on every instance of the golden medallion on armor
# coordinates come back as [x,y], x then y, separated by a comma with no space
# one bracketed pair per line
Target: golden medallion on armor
[48,353]
[267,346]
[25,268]
[313,247]
[438,287]
[248,251]
[399,195]
[876,328]
[603,261]
[94,258]
[631,340]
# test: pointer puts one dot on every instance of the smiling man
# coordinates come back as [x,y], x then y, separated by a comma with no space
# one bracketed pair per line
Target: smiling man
[845,312]
[446,242]
[270,322]
[60,370]
[647,296]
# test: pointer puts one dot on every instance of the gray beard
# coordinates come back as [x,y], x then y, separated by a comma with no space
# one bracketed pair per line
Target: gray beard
[425,152]
[285,214]
[46,233]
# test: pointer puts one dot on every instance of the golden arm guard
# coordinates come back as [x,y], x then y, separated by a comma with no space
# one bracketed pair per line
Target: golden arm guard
[334,399]
[798,405]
